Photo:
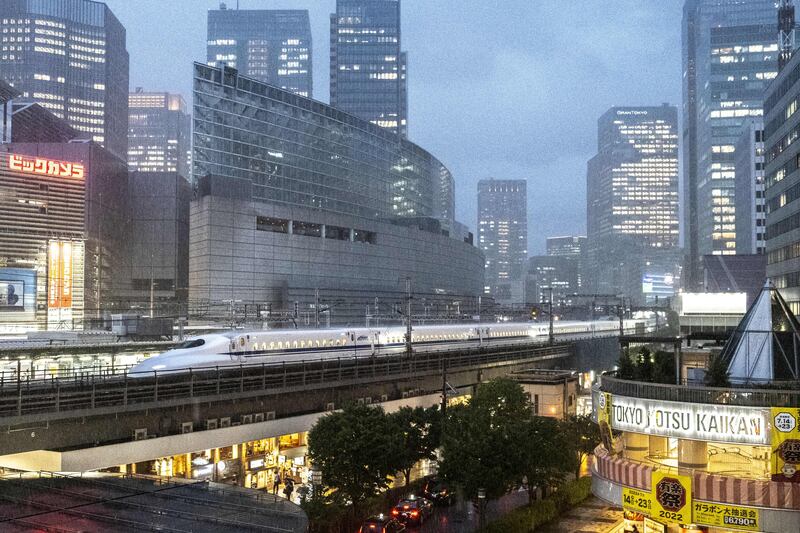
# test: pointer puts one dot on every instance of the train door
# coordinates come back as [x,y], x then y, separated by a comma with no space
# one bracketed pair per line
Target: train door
[374,341]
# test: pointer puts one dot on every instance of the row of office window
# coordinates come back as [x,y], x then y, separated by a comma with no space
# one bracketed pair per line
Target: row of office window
[313,229]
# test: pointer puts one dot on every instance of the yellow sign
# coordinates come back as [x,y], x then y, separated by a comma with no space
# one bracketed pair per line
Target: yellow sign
[786,444]
[637,500]
[726,516]
[671,497]
[604,420]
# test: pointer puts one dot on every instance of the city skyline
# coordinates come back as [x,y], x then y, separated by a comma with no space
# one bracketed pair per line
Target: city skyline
[506,132]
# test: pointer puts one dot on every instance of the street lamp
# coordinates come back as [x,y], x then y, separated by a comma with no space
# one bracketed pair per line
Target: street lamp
[481,507]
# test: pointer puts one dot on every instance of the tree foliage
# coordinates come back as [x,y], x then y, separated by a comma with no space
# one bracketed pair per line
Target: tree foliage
[625,367]
[717,374]
[419,430]
[549,454]
[356,451]
[582,435]
[484,441]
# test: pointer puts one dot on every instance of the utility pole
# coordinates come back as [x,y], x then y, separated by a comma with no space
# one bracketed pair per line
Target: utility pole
[621,312]
[408,317]
[550,307]
[152,287]
[316,308]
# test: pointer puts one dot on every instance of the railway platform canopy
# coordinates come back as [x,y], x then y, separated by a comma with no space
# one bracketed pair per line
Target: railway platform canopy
[47,501]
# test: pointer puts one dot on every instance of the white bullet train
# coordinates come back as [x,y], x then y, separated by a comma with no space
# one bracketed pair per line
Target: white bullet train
[235,348]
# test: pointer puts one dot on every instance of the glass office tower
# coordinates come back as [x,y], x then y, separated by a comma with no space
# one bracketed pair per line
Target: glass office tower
[730,54]
[159,133]
[273,46]
[503,237]
[368,70]
[69,56]
[632,200]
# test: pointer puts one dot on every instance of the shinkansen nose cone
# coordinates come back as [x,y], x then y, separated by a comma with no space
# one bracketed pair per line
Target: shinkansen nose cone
[208,350]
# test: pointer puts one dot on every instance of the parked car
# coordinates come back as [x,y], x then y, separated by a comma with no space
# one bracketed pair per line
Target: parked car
[413,510]
[381,524]
[438,492]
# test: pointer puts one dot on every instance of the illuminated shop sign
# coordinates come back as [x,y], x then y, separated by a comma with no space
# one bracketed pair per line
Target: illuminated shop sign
[45,167]
[705,422]
[59,275]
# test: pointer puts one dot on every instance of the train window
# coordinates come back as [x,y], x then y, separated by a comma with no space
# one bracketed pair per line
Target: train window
[309,343]
[194,343]
[280,345]
[302,344]
[294,344]
[317,341]
[272,346]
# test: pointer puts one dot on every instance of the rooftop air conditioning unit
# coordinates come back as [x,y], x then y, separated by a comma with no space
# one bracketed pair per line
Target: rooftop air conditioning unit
[212,423]
[405,394]
[258,417]
[368,400]
[384,397]
[360,401]
[270,415]
[225,422]
[247,419]
[330,406]
[140,434]
[187,427]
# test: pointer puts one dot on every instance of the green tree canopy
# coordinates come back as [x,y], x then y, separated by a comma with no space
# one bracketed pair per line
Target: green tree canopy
[549,453]
[582,435]
[356,451]
[419,431]
[484,441]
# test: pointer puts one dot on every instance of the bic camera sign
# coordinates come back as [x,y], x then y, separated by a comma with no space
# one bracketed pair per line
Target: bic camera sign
[707,422]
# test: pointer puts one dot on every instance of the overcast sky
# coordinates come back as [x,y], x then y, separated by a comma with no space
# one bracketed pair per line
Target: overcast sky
[504,89]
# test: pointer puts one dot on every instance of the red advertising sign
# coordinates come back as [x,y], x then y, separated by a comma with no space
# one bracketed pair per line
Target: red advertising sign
[45,167]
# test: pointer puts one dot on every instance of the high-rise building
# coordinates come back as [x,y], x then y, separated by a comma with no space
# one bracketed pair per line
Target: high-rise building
[749,189]
[547,275]
[159,133]
[69,56]
[273,46]
[503,237]
[730,54]
[368,69]
[572,246]
[782,175]
[632,199]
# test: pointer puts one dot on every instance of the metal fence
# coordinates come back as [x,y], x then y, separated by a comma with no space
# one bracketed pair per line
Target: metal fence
[753,397]
[99,394]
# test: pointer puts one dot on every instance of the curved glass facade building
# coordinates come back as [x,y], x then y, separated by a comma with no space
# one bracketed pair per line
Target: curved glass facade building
[297,199]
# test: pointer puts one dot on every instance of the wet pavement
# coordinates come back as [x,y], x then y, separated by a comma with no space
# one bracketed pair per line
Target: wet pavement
[593,516]
[464,518]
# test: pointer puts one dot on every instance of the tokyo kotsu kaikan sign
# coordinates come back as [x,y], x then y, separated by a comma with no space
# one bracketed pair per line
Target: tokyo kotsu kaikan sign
[698,421]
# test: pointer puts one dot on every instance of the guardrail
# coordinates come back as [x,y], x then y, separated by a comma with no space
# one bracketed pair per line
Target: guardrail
[766,397]
[154,389]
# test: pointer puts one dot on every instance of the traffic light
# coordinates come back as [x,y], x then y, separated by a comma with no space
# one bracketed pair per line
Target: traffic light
[534,313]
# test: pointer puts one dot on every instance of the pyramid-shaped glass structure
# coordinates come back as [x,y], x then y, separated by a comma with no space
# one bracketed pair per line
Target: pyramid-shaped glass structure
[766,344]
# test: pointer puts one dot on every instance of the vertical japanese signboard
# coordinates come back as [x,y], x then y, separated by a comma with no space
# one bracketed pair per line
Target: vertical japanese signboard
[59,275]
[786,444]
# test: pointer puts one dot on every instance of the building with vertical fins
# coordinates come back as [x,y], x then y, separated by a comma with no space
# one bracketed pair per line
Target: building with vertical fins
[632,202]
[503,237]
[70,57]
[159,133]
[730,55]
[270,45]
[368,68]
[573,247]
[782,176]
[749,189]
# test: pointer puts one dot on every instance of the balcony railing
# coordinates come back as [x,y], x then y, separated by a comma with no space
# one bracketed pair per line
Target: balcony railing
[753,397]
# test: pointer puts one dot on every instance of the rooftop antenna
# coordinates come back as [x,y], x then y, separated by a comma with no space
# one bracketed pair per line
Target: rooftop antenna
[786,30]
